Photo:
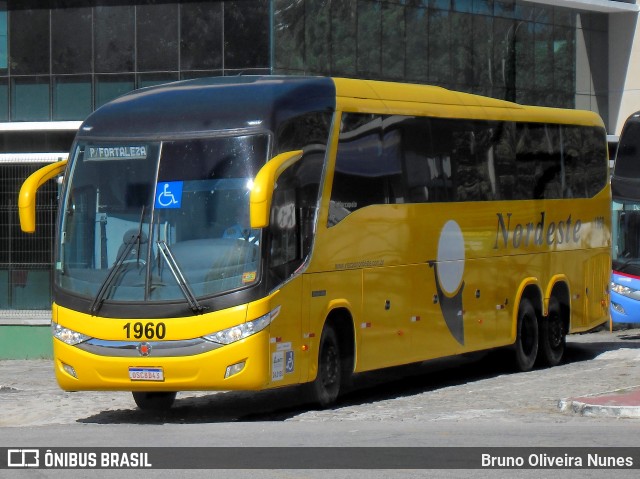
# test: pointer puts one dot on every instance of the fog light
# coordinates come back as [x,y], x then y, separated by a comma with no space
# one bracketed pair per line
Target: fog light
[69,370]
[617,307]
[234,369]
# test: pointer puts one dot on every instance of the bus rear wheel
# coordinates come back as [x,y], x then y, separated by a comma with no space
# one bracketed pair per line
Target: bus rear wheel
[154,401]
[553,338]
[325,389]
[526,347]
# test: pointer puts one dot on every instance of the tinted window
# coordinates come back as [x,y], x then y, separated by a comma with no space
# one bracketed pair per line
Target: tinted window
[538,161]
[594,153]
[427,163]
[393,159]
[628,156]
[470,145]
[504,159]
[431,148]
[295,201]
[368,165]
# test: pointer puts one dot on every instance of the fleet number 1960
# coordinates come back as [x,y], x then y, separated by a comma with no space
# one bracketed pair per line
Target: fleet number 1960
[146,330]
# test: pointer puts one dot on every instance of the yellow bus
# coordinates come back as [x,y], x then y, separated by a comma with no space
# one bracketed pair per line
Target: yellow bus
[257,232]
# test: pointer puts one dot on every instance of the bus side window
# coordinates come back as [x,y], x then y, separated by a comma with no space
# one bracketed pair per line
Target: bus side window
[631,230]
[504,150]
[427,173]
[471,153]
[540,172]
[284,237]
[595,152]
[368,167]
[293,214]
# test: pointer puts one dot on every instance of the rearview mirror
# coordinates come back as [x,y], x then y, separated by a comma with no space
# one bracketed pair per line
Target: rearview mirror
[264,184]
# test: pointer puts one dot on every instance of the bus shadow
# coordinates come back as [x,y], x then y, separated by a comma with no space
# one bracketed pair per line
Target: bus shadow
[391,383]
[286,403]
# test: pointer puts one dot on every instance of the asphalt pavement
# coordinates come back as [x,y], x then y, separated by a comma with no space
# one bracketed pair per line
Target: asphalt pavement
[600,377]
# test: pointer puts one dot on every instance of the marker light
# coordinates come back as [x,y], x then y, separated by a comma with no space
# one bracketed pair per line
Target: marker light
[69,370]
[618,308]
[234,369]
[244,330]
[68,336]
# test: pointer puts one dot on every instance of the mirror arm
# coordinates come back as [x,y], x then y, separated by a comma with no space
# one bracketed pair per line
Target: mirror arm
[27,195]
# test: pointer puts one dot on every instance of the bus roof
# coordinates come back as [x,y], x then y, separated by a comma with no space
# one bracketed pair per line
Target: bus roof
[210,104]
[194,107]
[412,99]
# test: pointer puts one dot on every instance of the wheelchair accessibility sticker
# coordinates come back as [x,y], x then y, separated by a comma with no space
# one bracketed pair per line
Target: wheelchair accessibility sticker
[169,194]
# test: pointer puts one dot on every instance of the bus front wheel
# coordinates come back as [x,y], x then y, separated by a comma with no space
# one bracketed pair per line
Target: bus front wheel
[553,338]
[526,347]
[154,401]
[326,387]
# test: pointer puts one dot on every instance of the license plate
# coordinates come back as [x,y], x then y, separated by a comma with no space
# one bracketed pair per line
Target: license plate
[146,374]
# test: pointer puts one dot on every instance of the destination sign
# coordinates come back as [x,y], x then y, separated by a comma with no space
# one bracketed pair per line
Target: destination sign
[132,152]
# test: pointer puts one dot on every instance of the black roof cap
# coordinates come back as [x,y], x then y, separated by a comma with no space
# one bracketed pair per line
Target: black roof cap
[209,104]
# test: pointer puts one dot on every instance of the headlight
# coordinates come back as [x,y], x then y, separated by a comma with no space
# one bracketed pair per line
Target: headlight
[244,330]
[621,289]
[68,336]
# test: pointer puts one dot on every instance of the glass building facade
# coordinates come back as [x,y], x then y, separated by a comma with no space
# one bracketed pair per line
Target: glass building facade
[61,59]
[508,49]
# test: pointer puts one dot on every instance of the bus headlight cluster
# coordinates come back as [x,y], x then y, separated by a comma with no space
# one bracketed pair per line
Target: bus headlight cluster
[622,289]
[68,336]
[244,330]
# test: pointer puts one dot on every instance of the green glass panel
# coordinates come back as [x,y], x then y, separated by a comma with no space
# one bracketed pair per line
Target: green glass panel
[71,98]
[108,88]
[30,99]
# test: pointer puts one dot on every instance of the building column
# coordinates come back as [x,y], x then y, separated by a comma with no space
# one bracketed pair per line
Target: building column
[624,69]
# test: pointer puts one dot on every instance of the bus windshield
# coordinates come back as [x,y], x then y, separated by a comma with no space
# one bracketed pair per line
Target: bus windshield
[626,237]
[627,164]
[160,220]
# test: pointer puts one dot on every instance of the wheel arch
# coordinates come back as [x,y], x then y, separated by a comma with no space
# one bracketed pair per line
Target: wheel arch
[559,289]
[341,320]
[529,290]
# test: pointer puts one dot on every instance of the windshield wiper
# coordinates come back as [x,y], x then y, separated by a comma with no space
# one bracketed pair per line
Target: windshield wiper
[624,264]
[163,247]
[134,240]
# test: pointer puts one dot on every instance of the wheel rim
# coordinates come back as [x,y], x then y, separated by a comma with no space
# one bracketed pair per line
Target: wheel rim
[528,335]
[330,372]
[555,331]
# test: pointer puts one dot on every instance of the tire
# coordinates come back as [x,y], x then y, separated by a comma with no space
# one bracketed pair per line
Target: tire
[526,346]
[324,390]
[553,336]
[154,401]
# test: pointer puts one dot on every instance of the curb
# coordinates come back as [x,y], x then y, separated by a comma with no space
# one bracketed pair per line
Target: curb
[624,402]
[594,410]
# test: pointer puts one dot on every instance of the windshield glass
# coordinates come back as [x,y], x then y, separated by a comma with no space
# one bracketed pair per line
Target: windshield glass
[626,237]
[627,164]
[160,221]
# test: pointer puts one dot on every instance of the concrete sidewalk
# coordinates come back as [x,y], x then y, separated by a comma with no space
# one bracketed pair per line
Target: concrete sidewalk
[622,402]
[601,378]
